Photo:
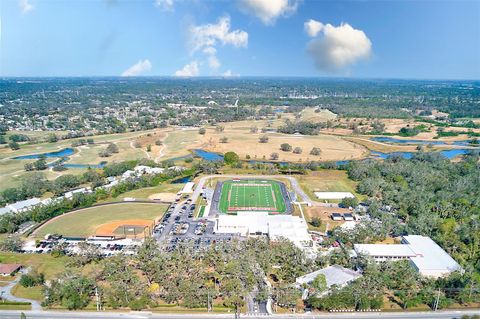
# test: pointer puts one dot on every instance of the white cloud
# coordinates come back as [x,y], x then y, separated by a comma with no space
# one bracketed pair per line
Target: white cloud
[205,39]
[213,62]
[313,27]
[164,5]
[209,35]
[25,6]
[138,68]
[269,10]
[188,70]
[338,47]
[229,73]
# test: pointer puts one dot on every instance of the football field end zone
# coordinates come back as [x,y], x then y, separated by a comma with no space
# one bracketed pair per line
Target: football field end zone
[281,193]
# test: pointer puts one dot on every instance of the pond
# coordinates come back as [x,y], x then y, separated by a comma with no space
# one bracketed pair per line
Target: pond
[182,180]
[386,139]
[208,156]
[61,153]
[447,153]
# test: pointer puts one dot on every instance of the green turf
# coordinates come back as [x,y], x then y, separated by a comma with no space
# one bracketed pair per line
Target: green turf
[251,195]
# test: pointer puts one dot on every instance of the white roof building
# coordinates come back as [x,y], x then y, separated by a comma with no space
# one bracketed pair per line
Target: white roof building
[333,195]
[334,275]
[4,210]
[84,190]
[424,254]
[24,205]
[293,228]
[188,188]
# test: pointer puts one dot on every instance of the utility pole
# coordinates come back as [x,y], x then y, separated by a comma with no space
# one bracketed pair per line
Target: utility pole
[437,300]
[97,299]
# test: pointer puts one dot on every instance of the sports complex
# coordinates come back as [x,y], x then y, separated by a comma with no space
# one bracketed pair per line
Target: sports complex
[251,195]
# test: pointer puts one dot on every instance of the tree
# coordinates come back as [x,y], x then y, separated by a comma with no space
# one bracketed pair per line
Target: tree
[202,131]
[11,243]
[158,142]
[14,145]
[137,144]
[316,222]
[219,128]
[149,148]
[315,151]
[297,150]
[286,147]
[253,129]
[231,157]
[263,139]
[112,148]
[274,156]
[349,202]
[224,140]
[40,164]
[319,283]
[29,167]
[52,138]
[104,153]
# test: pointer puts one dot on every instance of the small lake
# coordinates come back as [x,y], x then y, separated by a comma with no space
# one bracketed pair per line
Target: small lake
[61,153]
[208,156]
[447,153]
[386,139]
[182,180]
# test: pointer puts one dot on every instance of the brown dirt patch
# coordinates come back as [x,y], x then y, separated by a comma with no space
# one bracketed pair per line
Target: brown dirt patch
[166,197]
[109,229]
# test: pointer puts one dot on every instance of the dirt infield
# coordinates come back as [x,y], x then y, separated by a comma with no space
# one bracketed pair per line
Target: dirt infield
[112,229]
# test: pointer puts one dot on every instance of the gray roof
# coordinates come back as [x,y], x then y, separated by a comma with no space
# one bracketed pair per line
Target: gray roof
[335,275]
[430,256]
[25,204]
[5,210]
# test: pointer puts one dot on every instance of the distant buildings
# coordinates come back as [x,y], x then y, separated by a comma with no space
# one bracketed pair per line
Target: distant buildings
[424,254]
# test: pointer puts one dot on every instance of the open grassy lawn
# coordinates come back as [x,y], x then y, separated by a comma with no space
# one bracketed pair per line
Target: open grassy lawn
[84,222]
[46,264]
[245,143]
[144,193]
[309,114]
[327,180]
[34,293]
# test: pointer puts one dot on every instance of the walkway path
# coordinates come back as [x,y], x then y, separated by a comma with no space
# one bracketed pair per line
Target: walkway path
[6,292]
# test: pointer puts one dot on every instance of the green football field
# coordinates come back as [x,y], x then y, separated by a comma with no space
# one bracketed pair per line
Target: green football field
[251,195]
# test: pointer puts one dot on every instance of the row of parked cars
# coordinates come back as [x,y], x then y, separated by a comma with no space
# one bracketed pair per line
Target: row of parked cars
[179,229]
[201,227]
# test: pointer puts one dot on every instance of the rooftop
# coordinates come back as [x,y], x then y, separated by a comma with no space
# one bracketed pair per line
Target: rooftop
[335,275]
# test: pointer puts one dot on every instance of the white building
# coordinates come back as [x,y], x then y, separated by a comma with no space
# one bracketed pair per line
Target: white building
[24,205]
[333,195]
[188,188]
[293,228]
[424,254]
[335,276]
[84,190]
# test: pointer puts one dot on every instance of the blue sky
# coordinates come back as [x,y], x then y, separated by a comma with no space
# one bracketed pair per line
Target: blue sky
[374,39]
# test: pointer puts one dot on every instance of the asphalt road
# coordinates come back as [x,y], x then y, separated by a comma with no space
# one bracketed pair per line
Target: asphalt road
[5,314]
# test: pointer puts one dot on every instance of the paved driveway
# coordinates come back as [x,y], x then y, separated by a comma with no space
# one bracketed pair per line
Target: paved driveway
[6,292]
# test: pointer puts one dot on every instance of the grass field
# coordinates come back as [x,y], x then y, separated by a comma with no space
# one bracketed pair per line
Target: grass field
[251,195]
[84,222]
[327,180]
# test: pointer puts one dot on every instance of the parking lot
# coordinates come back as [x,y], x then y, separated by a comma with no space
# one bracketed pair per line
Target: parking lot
[179,227]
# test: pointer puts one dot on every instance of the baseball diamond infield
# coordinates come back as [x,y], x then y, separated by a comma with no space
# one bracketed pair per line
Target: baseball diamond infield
[253,195]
